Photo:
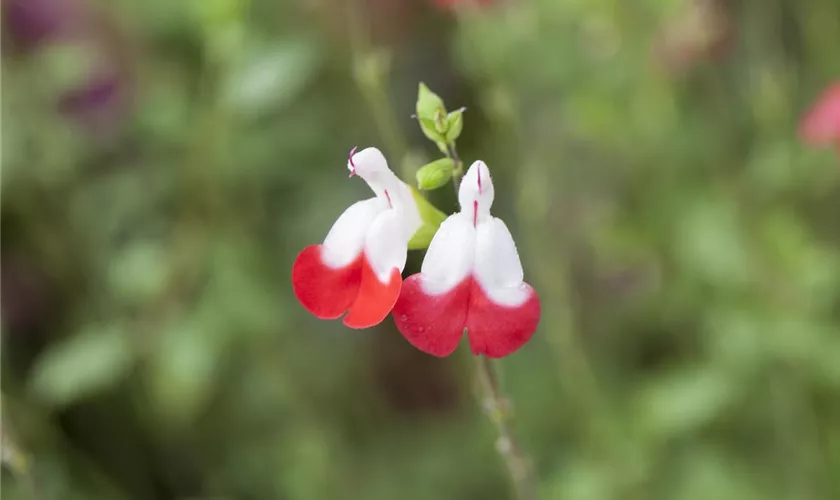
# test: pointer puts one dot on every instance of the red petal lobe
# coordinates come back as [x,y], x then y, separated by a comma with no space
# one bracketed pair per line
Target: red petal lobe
[496,330]
[432,323]
[324,291]
[375,299]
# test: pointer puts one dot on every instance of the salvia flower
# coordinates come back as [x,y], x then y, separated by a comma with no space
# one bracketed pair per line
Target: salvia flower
[821,125]
[358,267]
[471,279]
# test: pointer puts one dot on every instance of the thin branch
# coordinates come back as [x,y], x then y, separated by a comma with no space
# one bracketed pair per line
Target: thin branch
[498,409]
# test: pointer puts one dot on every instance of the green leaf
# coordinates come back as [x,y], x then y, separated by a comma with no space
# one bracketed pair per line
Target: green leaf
[271,77]
[442,146]
[428,103]
[435,174]
[182,368]
[686,400]
[432,217]
[454,124]
[711,243]
[90,362]
[139,273]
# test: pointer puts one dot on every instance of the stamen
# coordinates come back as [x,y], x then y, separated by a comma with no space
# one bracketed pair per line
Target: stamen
[479,181]
[475,213]
[388,197]
[352,152]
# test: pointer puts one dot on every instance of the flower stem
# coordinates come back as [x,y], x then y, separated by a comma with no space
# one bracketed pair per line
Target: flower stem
[498,408]
[494,402]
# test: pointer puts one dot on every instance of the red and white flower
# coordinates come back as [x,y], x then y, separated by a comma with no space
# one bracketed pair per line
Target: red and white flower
[471,279]
[358,267]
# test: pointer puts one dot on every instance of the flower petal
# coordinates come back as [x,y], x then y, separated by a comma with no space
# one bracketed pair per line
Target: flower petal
[497,266]
[432,323]
[346,239]
[326,278]
[384,259]
[504,311]
[375,298]
[450,256]
[431,312]
[497,330]
[325,291]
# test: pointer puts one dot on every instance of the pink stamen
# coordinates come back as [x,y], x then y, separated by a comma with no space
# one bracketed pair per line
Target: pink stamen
[352,152]
[388,197]
[475,213]
[479,181]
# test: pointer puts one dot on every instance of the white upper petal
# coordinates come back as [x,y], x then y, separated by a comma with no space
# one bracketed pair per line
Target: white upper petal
[371,166]
[385,245]
[346,239]
[472,242]
[497,266]
[382,226]
[450,256]
[476,191]
[407,207]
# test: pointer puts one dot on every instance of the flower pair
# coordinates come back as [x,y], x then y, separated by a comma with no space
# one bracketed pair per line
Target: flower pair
[471,278]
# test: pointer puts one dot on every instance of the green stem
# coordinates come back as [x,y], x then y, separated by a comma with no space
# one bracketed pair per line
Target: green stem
[497,406]
[495,403]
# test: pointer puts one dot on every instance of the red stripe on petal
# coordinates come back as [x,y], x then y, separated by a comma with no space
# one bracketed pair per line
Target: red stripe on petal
[432,323]
[375,299]
[496,330]
[324,291]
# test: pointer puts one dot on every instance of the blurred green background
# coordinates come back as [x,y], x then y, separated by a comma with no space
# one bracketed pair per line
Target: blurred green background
[163,161]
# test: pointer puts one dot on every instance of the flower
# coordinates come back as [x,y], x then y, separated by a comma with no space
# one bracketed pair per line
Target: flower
[472,279]
[359,265]
[821,124]
[33,22]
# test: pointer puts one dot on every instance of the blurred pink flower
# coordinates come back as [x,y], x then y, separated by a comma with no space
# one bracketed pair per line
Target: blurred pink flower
[821,125]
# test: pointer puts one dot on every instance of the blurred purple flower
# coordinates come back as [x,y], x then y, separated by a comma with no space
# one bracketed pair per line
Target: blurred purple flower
[33,22]
[101,98]
[101,101]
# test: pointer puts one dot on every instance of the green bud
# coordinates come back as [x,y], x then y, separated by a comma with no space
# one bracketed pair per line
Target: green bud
[428,103]
[429,129]
[432,218]
[440,121]
[435,174]
[454,124]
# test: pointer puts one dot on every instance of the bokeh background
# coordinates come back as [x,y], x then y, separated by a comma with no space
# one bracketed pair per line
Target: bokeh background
[163,161]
